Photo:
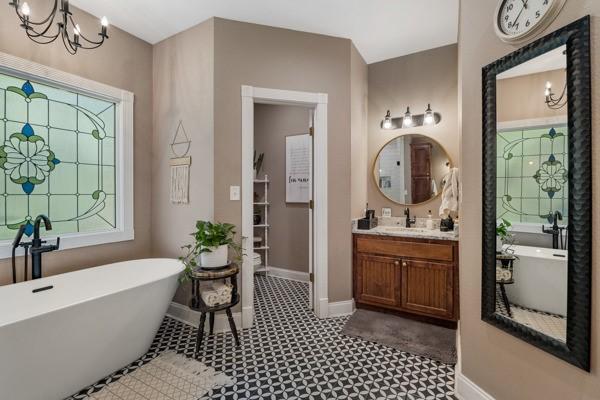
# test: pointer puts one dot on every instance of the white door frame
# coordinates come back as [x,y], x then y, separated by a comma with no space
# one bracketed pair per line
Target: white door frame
[317,102]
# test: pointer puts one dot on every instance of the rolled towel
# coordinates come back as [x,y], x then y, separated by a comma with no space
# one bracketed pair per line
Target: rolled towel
[223,291]
[210,298]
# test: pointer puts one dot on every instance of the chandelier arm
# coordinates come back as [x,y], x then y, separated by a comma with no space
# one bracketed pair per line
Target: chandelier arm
[85,38]
[48,18]
[49,39]
[43,33]
[67,42]
[95,46]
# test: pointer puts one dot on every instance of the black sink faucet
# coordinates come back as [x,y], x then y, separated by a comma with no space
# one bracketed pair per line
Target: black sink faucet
[37,247]
[409,221]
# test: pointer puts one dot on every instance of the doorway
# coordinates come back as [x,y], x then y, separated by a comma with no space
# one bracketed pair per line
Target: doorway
[316,106]
[282,192]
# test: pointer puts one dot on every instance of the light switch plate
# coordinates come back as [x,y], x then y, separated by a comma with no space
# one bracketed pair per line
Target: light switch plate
[234,193]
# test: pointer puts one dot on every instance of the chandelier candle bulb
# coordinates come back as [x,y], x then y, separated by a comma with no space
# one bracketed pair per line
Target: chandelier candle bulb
[104,23]
[64,6]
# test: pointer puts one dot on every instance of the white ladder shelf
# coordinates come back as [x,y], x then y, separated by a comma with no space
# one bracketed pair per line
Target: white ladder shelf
[264,225]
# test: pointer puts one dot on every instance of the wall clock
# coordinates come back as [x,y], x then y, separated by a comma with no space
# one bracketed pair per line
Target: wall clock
[518,20]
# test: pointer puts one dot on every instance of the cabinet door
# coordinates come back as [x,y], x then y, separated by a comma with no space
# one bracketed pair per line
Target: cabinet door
[378,280]
[427,287]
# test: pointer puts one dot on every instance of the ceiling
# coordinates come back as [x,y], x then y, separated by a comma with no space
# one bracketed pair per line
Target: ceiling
[550,61]
[380,29]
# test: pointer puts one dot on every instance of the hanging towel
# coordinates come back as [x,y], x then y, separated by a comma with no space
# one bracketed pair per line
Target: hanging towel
[434,190]
[450,195]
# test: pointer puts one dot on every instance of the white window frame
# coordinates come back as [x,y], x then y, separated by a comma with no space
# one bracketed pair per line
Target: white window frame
[123,100]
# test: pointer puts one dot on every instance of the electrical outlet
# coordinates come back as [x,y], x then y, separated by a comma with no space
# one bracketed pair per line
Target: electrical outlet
[234,193]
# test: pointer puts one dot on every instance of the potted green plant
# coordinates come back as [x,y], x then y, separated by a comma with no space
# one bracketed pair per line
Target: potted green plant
[211,244]
[503,234]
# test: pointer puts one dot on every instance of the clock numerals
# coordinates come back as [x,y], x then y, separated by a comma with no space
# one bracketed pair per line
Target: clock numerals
[518,19]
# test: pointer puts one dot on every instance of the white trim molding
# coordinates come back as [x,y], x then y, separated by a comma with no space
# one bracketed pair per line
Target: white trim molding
[188,316]
[318,103]
[341,308]
[123,100]
[466,389]
[288,274]
[532,123]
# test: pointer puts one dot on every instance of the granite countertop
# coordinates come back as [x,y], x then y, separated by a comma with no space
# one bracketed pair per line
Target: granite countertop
[394,226]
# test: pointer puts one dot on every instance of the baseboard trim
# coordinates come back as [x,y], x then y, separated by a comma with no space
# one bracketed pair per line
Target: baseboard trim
[288,274]
[341,308]
[188,316]
[466,389]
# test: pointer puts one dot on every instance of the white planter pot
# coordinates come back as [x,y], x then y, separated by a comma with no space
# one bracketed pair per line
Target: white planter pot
[498,244]
[216,258]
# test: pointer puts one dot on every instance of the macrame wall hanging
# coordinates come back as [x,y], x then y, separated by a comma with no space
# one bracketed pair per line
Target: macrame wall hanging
[180,166]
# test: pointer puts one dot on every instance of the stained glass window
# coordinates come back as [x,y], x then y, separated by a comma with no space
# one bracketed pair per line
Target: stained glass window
[57,155]
[532,175]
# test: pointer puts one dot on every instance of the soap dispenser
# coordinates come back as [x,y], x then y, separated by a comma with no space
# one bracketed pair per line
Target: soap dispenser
[429,223]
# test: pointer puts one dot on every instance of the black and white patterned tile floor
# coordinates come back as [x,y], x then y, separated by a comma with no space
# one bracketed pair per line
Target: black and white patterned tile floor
[291,354]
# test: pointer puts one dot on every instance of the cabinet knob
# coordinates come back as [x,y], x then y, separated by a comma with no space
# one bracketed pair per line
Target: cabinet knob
[397,262]
[404,264]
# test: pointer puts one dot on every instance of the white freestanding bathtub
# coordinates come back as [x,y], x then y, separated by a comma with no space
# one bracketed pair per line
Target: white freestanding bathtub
[540,279]
[91,323]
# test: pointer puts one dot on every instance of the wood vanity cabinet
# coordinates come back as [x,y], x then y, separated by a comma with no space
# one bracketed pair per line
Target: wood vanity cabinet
[406,275]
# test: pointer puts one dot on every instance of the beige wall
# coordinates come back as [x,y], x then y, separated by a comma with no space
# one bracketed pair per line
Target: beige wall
[124,62]
[288,235]
[359,98]
[504,366]
[414,80]
[183,91]
[522,97]
[248,54]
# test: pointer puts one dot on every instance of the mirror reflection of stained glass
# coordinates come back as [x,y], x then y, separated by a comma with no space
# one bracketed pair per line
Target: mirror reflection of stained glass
[57,155]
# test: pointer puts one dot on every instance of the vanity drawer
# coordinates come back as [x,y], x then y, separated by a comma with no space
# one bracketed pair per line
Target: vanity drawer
[396,248]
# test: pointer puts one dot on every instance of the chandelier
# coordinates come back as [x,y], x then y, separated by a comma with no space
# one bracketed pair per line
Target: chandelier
[552,101]
[41,31]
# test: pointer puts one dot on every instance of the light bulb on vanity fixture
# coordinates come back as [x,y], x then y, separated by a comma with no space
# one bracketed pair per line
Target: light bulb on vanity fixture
[429,118]
[407,121]
[387,121]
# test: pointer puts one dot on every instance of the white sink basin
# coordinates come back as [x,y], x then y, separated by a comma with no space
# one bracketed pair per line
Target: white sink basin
[401,229]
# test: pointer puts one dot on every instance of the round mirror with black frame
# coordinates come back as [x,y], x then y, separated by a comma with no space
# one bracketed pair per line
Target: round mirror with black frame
[410,169]
[537,193]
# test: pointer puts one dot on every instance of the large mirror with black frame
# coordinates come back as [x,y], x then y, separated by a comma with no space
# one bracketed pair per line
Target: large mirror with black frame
[537,193]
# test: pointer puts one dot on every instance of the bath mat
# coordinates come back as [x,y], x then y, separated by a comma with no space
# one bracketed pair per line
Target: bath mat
[168,376]
[419,338]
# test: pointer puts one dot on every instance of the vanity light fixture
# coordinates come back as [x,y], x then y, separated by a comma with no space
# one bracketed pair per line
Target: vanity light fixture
[39,31]
[553,102]
[408,120]
[387,121]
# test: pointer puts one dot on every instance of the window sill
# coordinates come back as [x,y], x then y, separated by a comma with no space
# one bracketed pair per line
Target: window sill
[74,241]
